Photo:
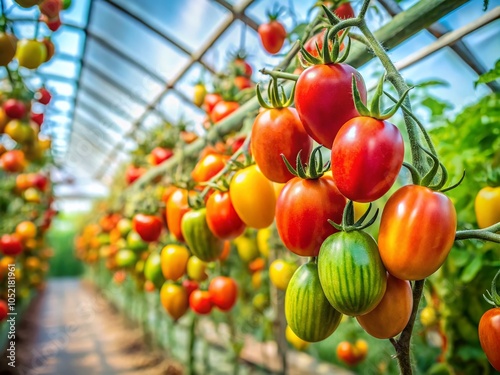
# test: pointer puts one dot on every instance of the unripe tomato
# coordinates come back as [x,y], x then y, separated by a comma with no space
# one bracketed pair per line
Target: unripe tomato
[10,244]
[31,53]
[272,36]
[135,242]
[4,310]
[244,66]
[26,230]
[15,109]
[280,273]
[8,47]
[295,340]
[489,336]
[124,226]
[223,292]
[125,258]
[13,161]
[196,269]
[50,8]
[200,302]
[19,131]
[487,206]
[276,132]
[257,280]
[352,354]
[148,226]
[210,101]
[222,218]
[199,94]
[223,109]
[43,96]
[255,209]
[208,167]
[177,206]
[174,259]
[428,220]
[27,3]
[393,312]
[174,299]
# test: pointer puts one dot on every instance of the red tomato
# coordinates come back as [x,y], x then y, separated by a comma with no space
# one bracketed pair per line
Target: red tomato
[148,226]
[190,286]
[302,213]
[222,218]
[222,110]
[323,98]
[345,11]
[236,143]
[276,132]
[272,36]
[14,108]
[52,23]
[242,82]
[489,336]
[10,244]
[224,292]
[133,173]
[13,161]
[417,231]
[246,68]
[200,302]
[161,154]
[49,47]
[50,8]
[177,206]
[352,354]
[37,118]
[38,180]
[208,167]
[367,155]
[210,101]
[4,309]
[43,96]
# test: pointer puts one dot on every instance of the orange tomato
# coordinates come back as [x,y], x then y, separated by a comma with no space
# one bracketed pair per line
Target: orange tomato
[177,206]
[225,251]
[174,299]
[174,259]
[208,167]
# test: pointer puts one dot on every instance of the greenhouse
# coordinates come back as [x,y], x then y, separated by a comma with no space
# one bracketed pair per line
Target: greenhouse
[249,187]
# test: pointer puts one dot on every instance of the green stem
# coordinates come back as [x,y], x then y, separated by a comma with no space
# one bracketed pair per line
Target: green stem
[192,340]
[486,234]
[277,74]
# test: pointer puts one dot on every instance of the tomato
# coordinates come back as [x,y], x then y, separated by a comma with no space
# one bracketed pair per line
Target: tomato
[135,242]
[223,292]
[52,23]
[280,273]
[324,102]
[295,340]
[310,46]
[43,96]
[428,221]
[50,8]
[177,206]
[149,286]
[124,226]
[125,258]
[47,42]
[4,310]
[133,173]
[222,218]
[210,101]
[32,195]
[8,47]
[167,192]
[393,312]
[10,244]
[352,354]
[248,249]
[302,215]
[199,94]
[3,121]
[487,206]
[174,299]
[37,118]
[428,316]
[242,82]
[31,53]
[19,131]
[174,259]
[153,270]
[200,302]
[148,226]
[200,239]
[225,251]
[244,66]
[38,180]
[367,155]
[196,269]
[13,161]
[208,167]
[27,3]
[109,221]
[190,286]
[161,154]
[26,230]
[276,132]
[344,11]
[14,108]
[489,336]
[263,237]
[223,109]
[257,208]
[272,36]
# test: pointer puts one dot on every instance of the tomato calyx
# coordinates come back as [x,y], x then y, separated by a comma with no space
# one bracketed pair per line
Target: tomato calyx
[326,54]
[493,297]
[276,95]
[275,12]
[312,170]
[348,224]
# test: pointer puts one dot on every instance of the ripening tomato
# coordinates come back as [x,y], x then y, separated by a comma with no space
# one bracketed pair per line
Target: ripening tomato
[280,273]
[199,94]
[37,118]
[47,42]
[8,47]
[38,181]
[210,100]
[43,96]
[148,226]
[428,221]
[26,230]
[302,213]
[19,131]
[352,354]
[31,53]
[272,36]
[324,102]
[208,167]
[10,244]
[174,299]
[222,218]
[367,155]
[253,198]
[242,82]
[245,67]
[196,269]
[52,23]
[223,109]
[489,336]
[487,206]
[276,132]
[392,313]
[133,173]
[161,154]
[14,108]
[13,161]
[310,46]
[174,259]
[50,8]
[200,302]
[223,292]
[177,206]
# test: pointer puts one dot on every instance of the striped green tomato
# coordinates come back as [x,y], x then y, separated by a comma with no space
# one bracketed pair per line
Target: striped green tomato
[307,311]
[351,272]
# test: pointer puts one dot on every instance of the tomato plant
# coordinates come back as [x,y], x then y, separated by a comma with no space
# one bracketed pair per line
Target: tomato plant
[8,47]
[177,206]
[489,327]
[10,244]
[487,206]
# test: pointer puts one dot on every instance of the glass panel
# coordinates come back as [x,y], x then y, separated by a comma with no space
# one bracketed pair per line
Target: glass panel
[61,88]
[105,129]
[151,121]
[62,68]
[68,41]
[485,44]
[175,108]
[77,13]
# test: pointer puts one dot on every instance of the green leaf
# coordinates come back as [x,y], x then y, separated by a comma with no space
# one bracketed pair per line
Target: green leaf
[432,83]
[489,76]
[459,258]
[470,272]
[436,106]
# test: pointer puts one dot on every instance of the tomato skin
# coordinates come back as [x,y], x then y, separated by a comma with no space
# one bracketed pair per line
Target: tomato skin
[8,47]
[200,302]
[13,161]
[196,269]
[272,36]
[177,206]
[487,206]
[31,53]
[256,210]
[352,354]
[367,155]
[210,101]
[323,98]
[393,312]
[489,336]
[19,131]
[280,273]
[174,259]
[161,154]
[50,8]
[153,271]
[10,244]
[14,108]
[199,94]
[302,215]
[222,218]
[224,292]
[37,118]
[428,220]
[223,109]
[190,286]
[242,82]
[208,167]
[174,299]
[47,42]
[148,226]
[276,132]
[133,173]
[344,11]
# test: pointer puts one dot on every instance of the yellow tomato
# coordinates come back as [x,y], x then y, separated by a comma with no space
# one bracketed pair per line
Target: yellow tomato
[32,263]
[295,340]
[31,53]
[174,259]
[359,209]
[280,273]
[263,237]
[26,230]
[487,206]
[196,269]
[257,280]
[19,131]
[428,316]
[247,248]
[277,189]
[31,195]
[199,94]
[174,299]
